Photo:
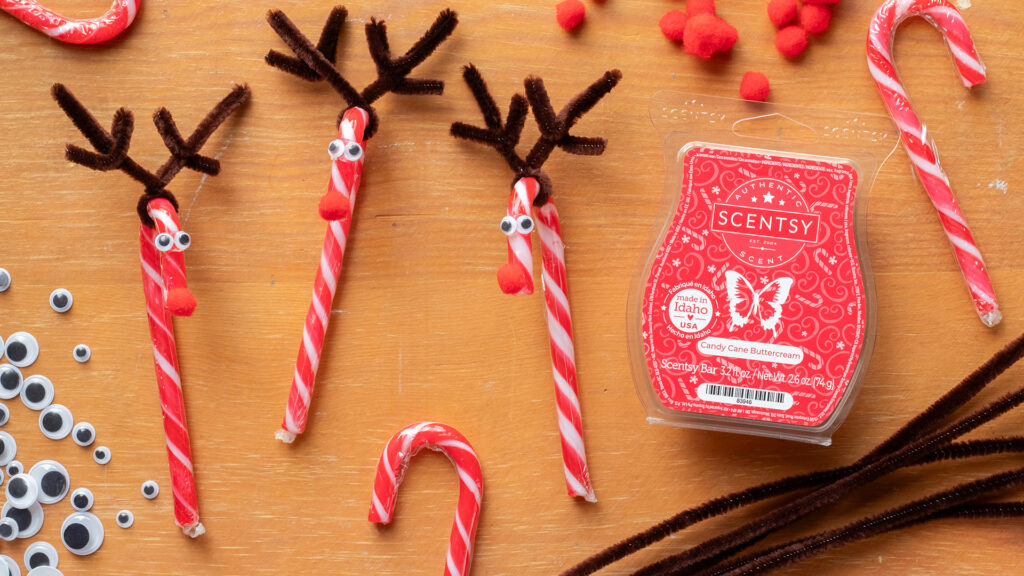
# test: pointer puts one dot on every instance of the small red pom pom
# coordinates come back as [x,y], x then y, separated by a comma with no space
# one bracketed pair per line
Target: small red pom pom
[791,41]
[815,18]
[673,25]
[820,2]
[570,13]
[695,7]
[754,86]
[782,12]
[706,34]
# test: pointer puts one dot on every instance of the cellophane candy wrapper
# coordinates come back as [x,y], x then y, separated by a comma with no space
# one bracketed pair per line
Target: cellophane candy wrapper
[754,312]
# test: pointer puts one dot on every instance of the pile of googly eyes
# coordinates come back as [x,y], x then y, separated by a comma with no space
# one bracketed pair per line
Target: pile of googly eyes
[47,482]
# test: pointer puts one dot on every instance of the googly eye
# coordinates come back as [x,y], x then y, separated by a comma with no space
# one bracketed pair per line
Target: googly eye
[55,421]
[150,489]
[53,480]
[8,530]
[22,349]
[37,393]
[5,414]
[45,571]
[125,518]
[22,491]
[163,242]
[29,520]
[83,434]
[5,280]
[61,300]
[40,554]
[82,499]
[12,566]
[82,353]
[10,381]
[82,533]
[182,240]
[524,224]
[353,151]
[335,149]
[508,225]
[14,468]
[101,455]
[8,450]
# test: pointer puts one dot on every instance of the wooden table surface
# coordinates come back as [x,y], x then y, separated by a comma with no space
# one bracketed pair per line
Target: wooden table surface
[420,330]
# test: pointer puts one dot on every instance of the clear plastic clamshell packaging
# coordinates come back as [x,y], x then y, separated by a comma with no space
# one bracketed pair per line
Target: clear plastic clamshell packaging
[754,312]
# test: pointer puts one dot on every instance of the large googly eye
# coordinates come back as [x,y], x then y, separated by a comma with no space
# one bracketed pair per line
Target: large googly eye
[8,450]
[37,393]
[40,554]
[53,480]
[14,468]
[22,349]
[82,499]
[335,149]
[163,242]
[12,566]
[83,434]
[82,353]
[22,491]
[8,529]
[508,225]
[101,454]
[29,520]
[82,533]
[150,489]
[125,518]
[55,421]
[5,414]
[10,381]
[524,224]
[182,240]
[61,300]
[353,151]
[5,280]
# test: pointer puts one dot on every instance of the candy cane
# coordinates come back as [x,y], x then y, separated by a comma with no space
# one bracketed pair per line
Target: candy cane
[391,470]
[163,273]
[516,277]
[336,206]
[919,147]
[563,358]
[73,31]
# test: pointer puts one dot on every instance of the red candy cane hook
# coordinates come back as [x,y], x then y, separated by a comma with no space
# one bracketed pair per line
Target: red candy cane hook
[919,147]
[73,31]
[391,469]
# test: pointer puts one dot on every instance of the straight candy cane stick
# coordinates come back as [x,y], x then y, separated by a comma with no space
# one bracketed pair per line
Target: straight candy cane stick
[563,356]
[74,31]
[921,150]
[391,470]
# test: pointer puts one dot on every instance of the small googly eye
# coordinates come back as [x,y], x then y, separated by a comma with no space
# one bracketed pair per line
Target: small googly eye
[82,353]
[82,499]
[8,450]
[150,489]
[22,349]
[12,565]
[55,421]
[5,280]
[182,240]
[22,491]
[53,480]
[83,434]
[125,518]
[61,300]
[10,381]
[508,225]
[29,520]
[40,554]
[353,151]
[524,224]
[8,529]
[37,393]
[82,533]
[163,242]
[101,454]
[5,414]
[14,468]
[335,149]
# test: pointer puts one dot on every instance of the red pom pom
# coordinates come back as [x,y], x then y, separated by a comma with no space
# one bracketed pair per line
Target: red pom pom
[782,12]
[706,34]
[791,41]
[815,18]
[821,2]
[570,13]
[180,302]
[754,86]
[673,25]
[695,7]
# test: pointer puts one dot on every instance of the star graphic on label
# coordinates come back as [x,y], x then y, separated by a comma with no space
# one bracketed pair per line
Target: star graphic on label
[753,199]
[832,260]
[716,190]
[841,345]
[764,279]
[693,379]
[663,307]
[782,202]
[804,333]
[685,239]
[712,268]
[768,198]
[675,262]
[704,231]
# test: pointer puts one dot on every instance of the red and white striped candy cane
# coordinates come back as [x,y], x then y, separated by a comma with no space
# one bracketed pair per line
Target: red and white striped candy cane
[163,273]
[919,147]
[391,470]
[516,277]
[336,206]
[74,31]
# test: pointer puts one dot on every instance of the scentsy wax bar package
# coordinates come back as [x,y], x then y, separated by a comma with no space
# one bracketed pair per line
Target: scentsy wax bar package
[754,312]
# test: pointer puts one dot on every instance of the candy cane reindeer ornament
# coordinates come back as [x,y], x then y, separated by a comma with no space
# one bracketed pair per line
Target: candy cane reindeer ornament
[531,192]
[162,243]
[71,30]
[356,124]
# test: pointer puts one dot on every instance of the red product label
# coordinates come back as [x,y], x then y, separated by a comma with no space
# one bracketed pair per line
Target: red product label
[754,306]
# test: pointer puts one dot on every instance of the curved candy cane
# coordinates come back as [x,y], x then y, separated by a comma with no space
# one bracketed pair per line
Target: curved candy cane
[391,470]
[163,274]
[922,150]
[74,31]
[336,206]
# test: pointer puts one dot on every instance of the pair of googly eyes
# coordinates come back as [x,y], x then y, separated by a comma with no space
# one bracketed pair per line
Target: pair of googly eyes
[165,242]
[510,225]
[46,483]
[351,151]
[27,521]
[21,349]
[36,391]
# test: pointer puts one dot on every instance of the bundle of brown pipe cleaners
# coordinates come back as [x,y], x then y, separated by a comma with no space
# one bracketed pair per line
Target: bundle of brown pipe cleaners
[923,440]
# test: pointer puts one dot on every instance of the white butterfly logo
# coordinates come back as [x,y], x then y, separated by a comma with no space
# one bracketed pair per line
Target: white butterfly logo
[764,305]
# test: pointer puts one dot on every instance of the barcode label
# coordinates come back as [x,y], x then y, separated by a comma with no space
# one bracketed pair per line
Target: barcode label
[745,396]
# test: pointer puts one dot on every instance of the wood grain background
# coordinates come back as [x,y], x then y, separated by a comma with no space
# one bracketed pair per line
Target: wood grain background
[420,329]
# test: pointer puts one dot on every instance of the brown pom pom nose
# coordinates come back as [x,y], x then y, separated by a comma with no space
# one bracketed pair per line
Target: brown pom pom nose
[334,206]
[513,279]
